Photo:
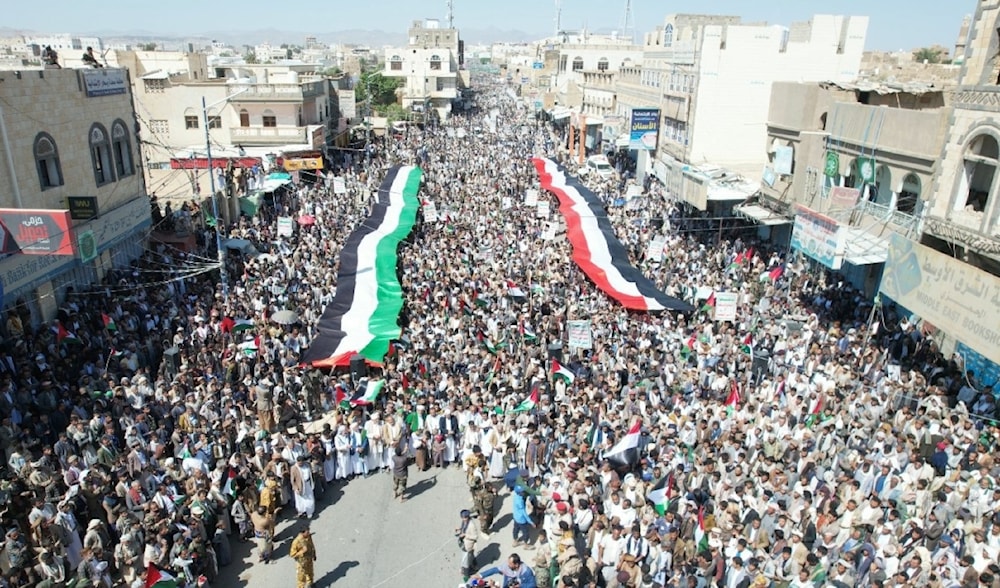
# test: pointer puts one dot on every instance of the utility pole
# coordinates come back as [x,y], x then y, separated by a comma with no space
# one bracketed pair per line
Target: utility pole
[223,274]
[451,14]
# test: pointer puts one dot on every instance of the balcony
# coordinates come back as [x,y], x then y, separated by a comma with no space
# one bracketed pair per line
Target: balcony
[268,135]
[276,92]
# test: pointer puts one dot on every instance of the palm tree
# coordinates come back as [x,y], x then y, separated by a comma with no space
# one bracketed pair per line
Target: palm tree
[927,54]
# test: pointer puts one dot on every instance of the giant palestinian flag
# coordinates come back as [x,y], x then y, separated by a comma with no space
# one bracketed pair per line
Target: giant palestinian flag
[596,249]
[362,318]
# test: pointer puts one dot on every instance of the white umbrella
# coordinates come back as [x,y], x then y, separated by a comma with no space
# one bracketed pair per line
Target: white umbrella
[285,317]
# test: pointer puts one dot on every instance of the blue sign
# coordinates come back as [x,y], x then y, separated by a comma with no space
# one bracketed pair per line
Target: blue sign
[538,65]
[525,79]
[644,128]
[986,372]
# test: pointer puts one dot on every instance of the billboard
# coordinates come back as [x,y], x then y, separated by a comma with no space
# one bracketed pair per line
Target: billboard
[36,232]
[644,127]
[951,295]
[818,236]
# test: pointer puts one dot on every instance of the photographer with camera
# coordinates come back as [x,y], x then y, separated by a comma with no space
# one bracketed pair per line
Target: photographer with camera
[515,573]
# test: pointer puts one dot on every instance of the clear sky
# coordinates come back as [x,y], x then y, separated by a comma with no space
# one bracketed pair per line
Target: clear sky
[895,24]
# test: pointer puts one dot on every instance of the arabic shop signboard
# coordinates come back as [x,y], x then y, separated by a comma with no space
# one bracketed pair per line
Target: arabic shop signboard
[644,128]
[104,82]
[819,236]
[82,207]
[36,232]
[953,296]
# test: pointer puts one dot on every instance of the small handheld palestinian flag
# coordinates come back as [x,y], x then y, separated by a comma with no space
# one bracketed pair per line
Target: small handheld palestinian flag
[370,392]
[560,371]
[157,578]
[659,496]
[700,536]
[530,402]
[733,400]
[109,323]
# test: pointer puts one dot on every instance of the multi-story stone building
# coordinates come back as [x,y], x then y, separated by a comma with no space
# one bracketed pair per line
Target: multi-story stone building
[711,78]
[253,110]
[72,199]
[432,66]
[847,153]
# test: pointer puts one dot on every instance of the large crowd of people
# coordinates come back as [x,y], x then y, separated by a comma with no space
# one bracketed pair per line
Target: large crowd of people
[817,440]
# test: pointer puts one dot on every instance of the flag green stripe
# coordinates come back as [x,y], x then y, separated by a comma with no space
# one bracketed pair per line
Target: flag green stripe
[383,324]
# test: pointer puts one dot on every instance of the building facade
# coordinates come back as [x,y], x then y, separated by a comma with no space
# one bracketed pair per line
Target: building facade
[73,203]
[846,155]
[432,67]
[711,78]
[252,110]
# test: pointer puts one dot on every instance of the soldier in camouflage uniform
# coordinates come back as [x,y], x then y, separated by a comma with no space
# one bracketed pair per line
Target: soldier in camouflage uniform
[482,494]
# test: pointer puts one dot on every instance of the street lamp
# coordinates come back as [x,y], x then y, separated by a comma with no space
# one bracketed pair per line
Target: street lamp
[215,199]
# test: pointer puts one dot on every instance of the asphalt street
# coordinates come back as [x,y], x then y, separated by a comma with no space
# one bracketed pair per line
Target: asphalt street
[365,539]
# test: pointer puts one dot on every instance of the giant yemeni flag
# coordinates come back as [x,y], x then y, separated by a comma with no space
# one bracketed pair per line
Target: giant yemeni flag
[625,453]
[363,316]
[596,248]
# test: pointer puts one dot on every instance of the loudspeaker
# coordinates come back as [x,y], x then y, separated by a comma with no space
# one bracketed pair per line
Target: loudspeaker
[760,360]
[556,351]
[359,369]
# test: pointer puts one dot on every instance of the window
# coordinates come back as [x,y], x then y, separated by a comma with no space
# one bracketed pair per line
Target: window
[602,64]
[577,63]
[244,118]
[668,36]
[47,162]
[121,148]
[976,184]
[269,120]
[154,86]
[435,62]
[190,121]
[157,126]
[396,63]
[562,62]
[909,194]
[215,122]
[100,155]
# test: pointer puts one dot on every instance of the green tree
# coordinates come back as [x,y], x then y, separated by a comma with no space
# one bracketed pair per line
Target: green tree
[928,54]
[383,89]
[250,57]
[148,47]
[394,112]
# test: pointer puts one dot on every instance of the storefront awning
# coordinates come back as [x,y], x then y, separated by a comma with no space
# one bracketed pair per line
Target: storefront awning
[761,215]
[864,248]
[561,113]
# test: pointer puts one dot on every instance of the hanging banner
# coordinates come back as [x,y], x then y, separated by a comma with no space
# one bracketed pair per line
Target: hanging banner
[431,212]
[286,226]
[783,157]
[644,128]
[297,164]
[543,209]
[819,236]
[866,170]
[580,335]
[725,306]
[36,232]
[831,166]
[843,198]
[530,197]
[954,296]
[86,244]
[654,251]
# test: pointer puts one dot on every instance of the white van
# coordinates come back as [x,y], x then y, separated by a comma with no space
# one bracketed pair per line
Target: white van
[599,165]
